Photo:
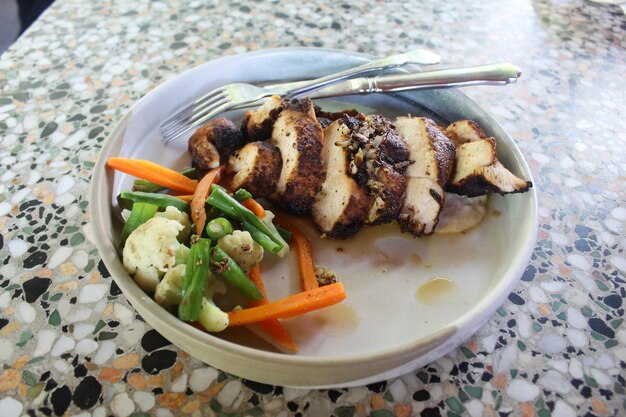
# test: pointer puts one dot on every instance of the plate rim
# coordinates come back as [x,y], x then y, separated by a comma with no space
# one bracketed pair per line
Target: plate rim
[473,318]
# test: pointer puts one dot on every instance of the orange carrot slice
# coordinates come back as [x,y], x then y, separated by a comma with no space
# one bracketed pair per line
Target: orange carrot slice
[271,327]
[290,306]
[186,198]
[305,257]
[252,205]
[198,214]
[153,172]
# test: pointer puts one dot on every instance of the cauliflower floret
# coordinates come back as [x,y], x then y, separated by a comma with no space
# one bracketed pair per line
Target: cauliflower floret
[242,248]
[269,222]
[151,250]
[211,317]
[181,217]
[168,292]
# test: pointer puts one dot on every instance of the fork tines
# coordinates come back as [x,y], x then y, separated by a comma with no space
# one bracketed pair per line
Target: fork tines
[194,114]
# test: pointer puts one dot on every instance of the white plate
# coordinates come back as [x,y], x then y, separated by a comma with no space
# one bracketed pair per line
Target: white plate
[383,329]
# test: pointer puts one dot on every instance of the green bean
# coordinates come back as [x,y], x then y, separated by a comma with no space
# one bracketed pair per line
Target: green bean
[140,213]
[218,228]
[241,195]
[232,208]
[284,233]
[261,238]
[196,276]
[225,267]
[126,199]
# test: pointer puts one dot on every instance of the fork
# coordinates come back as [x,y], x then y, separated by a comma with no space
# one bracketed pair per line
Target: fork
[236,95]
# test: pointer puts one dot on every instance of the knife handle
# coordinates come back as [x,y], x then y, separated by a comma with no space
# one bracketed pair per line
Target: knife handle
[493,74]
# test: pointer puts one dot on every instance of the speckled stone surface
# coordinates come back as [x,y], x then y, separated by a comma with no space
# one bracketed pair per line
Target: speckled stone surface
[71,344]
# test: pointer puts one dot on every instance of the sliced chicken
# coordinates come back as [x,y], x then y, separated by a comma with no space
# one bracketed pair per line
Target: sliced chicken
[463,131]
[298,136]
[433,154]
[255,167]
[342,205]
[213,142]
[384,137]
[479,172]
[257,124]
[204,155]
[378,156]
[387,187]
[421,206]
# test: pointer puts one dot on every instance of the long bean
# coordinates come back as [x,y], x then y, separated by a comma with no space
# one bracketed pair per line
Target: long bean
[220,199]
[241,195]
[140,213]
[196,276]
[225,267]
[127,198]
[218,227]
[261,238]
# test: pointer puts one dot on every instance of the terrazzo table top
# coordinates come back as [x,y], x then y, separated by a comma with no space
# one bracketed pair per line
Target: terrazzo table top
[70,344]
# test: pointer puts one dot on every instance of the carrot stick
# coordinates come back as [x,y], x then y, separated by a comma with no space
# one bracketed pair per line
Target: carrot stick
[253,205]
[271,327]
[186,198]
[198,215]
[290,306]
[305,257]
[153,172]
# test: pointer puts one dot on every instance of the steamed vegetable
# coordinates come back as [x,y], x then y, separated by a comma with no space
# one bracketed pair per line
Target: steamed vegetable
[140,213]
[225,267]
[218,228]
[126,199]
[198,212]
[211,317]
[150,187]
[290,306]
[305,257]
[252,205]
[271,327]
[221,200]
[169,292]
[240,246]
[155,173]
[195,280]
[181,217]
[280,233]
[185,270]
[151,250]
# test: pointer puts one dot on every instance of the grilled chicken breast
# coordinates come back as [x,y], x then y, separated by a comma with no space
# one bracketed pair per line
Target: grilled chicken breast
[298,136]
[479,172]
[463,131]
[214,142]
[341,207]
[257,124]
[255,167]
[350,170]
[433,154]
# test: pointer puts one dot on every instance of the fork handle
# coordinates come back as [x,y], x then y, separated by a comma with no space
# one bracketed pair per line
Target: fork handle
[392,61]
[497,74]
